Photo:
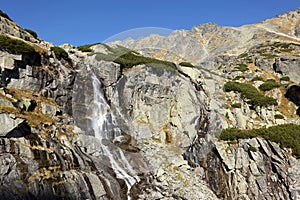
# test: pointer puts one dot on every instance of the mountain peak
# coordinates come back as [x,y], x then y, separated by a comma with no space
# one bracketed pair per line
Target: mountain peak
[205,41]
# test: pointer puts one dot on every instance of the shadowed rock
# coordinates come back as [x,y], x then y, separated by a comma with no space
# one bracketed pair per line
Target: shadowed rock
[21,130]
[293,94]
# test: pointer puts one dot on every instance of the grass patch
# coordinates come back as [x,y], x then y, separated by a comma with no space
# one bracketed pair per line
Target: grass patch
[113,53]
[15,46]
[257,78]
[269,85]
[287,135]
[241,68]
[282,45]
[186,64]
[269,56]
[253,149]
[285,78]
[232,142]
[131,59]
[278,116]
[128,58]
[86,48]
[60,53]
[236,105]
[243,55]
[238,78]
[35,118]
[249,92]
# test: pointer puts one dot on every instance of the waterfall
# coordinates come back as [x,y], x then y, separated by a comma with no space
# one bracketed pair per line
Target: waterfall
[105,128]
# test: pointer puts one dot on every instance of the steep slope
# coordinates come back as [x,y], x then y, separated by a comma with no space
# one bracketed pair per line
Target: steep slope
[112,123]
[251,55]
[43,154]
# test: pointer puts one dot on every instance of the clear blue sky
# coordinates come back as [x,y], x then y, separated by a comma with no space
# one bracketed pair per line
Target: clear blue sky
[88,21]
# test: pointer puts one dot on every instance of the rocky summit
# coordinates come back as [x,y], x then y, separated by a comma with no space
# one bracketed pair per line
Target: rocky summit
[208,113]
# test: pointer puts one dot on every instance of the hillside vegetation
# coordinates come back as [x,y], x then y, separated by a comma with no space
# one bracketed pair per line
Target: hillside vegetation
[287,135]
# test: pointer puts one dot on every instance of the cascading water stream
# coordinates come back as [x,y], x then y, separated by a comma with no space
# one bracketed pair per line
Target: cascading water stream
[106,129]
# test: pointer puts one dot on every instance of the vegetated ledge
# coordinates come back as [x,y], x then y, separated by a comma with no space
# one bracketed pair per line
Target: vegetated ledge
[128,58]
[249,92]
[15,46]
[87,47]
[131,59]
[287,135]
[269,85]
[60,53]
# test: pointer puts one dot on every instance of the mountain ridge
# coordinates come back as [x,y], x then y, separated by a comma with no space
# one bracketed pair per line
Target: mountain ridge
[198,37]
[209,113]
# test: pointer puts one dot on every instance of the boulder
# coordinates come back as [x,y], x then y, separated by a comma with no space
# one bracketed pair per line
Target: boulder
[49,109]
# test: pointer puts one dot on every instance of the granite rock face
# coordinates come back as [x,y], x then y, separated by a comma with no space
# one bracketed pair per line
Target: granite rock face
[8,124]
[249,169]
[163,121]
[9,27]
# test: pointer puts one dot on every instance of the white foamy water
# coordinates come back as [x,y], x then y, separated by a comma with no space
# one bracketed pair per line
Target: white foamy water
[106,129]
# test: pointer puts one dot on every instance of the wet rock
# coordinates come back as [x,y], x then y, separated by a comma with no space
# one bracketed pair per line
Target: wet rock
[173,119]
[122,139]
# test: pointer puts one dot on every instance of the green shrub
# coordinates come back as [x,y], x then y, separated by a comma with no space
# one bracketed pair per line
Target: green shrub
[278,116]
[285,78]
[60,53]
[186,64]
[287,135]
[243,55]
[128,58]
[241,68]
[31,32]
[238,78]
[287,50]
[250,93]
[269,85]
[15,46]
[282,45]
[232,142]
[236,105]
[113,53]
[131,59]
[269,56]
[257,78]
[253,149]
[86,48]
[3,14]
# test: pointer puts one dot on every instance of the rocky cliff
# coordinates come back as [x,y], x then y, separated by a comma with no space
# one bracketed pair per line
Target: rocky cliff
[214,116]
